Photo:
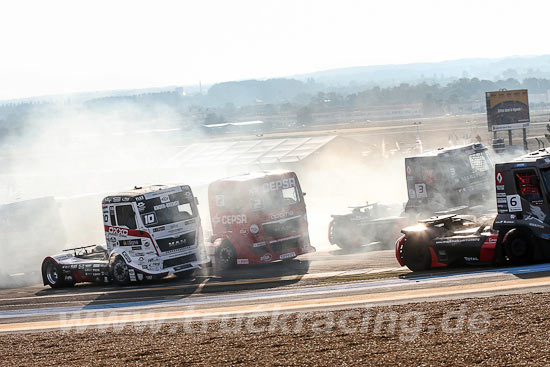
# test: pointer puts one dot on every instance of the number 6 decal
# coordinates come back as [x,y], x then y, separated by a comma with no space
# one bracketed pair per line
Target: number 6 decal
[514,203]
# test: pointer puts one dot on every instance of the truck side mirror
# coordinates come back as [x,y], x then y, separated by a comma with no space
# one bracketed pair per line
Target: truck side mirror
[196,200]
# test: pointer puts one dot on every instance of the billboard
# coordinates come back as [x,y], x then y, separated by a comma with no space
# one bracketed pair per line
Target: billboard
[507,109]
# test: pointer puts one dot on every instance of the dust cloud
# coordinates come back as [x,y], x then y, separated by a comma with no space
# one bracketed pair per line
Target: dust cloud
[55,174]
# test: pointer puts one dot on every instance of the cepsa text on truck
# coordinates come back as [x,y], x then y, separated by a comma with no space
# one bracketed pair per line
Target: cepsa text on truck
[257,218]
[151,232]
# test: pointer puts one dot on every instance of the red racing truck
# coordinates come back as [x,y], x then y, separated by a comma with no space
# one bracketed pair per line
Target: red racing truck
[257,218]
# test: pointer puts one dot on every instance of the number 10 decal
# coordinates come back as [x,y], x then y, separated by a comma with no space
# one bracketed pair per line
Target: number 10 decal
[149,218]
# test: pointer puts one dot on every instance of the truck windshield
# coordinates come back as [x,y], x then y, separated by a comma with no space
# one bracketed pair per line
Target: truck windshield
[167,209]
[546,178]
[274,199]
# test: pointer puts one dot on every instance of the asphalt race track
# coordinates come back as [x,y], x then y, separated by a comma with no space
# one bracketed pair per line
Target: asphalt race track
[321,281]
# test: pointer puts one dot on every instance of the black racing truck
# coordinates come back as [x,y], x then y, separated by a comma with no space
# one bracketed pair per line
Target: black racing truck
[449,178]
[519,234]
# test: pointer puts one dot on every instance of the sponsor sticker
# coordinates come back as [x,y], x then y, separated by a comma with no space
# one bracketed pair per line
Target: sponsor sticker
[266,258]
[499,178]
[242,261]
[283,214]
[141,206]
[287,255]
[118,231]
[126,256]
[234,219]
[254,229]
[279,184]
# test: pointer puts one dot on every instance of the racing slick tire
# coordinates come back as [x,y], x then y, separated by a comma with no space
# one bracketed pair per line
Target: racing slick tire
[226,256]
[518,247]
[53,275]
[119,270]
[415,255]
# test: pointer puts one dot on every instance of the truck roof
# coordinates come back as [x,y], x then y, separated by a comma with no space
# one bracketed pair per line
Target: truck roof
[252,176]
[131,195]
[476,147]
[538,158]
[533,156]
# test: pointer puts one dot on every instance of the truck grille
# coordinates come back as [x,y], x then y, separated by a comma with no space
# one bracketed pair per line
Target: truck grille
[285,245]
[169,244]
[282,228]
[179,261]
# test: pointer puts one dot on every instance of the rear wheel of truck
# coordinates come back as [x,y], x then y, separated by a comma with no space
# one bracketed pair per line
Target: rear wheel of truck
[415,255]
[53,275]
[518,247]
[119,270]
[226,256]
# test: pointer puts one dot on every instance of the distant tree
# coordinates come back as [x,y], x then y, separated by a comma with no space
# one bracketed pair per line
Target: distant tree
[304,116]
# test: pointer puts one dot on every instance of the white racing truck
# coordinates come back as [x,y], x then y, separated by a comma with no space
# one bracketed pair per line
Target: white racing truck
[151,232]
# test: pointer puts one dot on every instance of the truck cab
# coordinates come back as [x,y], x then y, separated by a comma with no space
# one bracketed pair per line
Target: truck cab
[150,232]
[523,195]
[449,178]
[257,218]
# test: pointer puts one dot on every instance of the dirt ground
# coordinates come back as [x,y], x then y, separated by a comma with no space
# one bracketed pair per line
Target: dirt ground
[496,331]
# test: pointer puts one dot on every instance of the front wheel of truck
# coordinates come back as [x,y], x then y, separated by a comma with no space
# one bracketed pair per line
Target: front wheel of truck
[226,256]
[518,247]
[119,270]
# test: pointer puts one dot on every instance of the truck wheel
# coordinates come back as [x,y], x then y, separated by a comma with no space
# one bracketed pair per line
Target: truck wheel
[226,256]
[52,274]
[415,255]
[518,248]
[119,270]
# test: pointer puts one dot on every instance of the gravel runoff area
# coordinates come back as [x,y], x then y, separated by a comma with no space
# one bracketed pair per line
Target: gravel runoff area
[496,331]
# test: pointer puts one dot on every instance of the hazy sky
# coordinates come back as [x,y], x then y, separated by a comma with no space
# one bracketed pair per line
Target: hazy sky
[51,47]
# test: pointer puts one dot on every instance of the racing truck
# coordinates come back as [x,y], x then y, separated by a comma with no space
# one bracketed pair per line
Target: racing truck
[257,218]
[150,232]
[366,223]
[519,234]
[447,178]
